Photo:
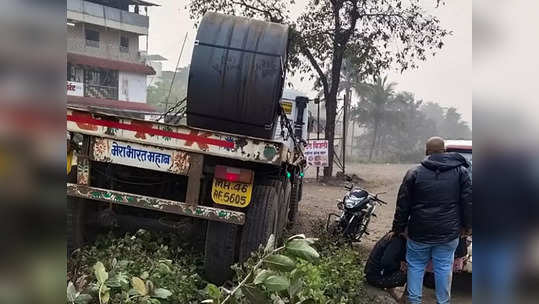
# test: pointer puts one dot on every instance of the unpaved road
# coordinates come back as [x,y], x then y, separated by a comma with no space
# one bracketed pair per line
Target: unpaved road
[320,199]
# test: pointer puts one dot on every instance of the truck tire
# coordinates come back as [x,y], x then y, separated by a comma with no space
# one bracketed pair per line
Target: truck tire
[220,251]
[294,201]
[261,217]
[300,189]
[283,206]
[75,217]
[76,223]
[81,222]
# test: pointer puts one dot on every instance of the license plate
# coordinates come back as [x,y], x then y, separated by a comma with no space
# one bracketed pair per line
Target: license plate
[231,193]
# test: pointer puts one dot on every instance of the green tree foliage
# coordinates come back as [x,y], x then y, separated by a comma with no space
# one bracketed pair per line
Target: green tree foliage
[376,98]
[159,91]
[448,121]
[396,125]
[377,35]
[452,126]
[433,111]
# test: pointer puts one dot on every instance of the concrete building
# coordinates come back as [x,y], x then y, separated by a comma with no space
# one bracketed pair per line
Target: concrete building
[105,68]
[156,62]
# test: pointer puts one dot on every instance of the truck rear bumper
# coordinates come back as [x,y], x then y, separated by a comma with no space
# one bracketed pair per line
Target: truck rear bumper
[154,203]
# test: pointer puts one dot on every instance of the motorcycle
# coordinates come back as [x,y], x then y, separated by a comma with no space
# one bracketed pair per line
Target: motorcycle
[358,206]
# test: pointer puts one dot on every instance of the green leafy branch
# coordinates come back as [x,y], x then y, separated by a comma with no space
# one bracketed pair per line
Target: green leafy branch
[276,274]
[143,291]
[161,261]
[76,297]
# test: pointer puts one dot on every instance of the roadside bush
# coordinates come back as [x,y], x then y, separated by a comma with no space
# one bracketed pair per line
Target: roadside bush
[341,267]
[137,268]
[327,274]
[145,268]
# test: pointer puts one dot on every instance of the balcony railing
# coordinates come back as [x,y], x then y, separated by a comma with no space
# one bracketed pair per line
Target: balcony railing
[100,91]
[92,43]
[98,14]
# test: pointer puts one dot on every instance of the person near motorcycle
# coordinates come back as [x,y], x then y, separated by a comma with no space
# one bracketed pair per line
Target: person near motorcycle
[435,204]
[386,266]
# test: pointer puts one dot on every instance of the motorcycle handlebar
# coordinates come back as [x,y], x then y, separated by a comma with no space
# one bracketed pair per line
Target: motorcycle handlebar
[374,197]
[380,201]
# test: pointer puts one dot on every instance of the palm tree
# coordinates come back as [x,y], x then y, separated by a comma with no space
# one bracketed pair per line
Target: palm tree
[350,78]
[355,118]
[374,98]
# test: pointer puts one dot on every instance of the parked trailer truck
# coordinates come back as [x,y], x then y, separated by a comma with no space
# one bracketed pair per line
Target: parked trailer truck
[243,188]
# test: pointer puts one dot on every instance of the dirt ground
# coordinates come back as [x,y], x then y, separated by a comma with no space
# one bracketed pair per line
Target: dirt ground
[320,199]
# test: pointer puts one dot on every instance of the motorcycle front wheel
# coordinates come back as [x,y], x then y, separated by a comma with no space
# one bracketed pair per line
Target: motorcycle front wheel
[365,220]
[334,229]
[335,234]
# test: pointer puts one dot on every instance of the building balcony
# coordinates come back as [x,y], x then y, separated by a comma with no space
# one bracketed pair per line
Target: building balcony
[93,13]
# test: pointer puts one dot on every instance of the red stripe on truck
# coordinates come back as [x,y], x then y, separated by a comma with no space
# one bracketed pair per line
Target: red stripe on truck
[193,137]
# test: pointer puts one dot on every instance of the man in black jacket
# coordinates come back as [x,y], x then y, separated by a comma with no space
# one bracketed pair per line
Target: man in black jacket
[435,204]
[386,266]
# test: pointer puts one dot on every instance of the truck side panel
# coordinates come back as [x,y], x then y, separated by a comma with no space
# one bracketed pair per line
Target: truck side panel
[177,137]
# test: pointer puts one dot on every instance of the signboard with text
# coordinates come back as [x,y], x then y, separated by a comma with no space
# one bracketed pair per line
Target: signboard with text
[316,153]
[75,88]
[140,156]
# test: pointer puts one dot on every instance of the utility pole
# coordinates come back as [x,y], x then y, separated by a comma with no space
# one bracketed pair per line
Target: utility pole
[344,125]
[174,75]
[147,35]
[317,101]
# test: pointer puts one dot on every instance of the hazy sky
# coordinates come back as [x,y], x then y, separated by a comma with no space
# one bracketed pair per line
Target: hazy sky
[445,78]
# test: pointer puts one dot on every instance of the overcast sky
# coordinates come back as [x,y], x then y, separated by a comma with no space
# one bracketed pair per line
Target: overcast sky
[445,78]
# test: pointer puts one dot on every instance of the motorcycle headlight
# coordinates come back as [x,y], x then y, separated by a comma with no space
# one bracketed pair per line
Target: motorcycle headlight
[351,202]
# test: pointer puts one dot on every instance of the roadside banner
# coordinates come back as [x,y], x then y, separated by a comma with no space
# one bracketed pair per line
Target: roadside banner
[316,153]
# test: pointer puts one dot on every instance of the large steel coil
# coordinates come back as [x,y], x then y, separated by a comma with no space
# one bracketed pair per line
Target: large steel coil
[237,75]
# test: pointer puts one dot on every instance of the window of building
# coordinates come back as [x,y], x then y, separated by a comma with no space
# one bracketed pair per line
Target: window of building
[74,73]
[101,83]
[124,44]
[92,38]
